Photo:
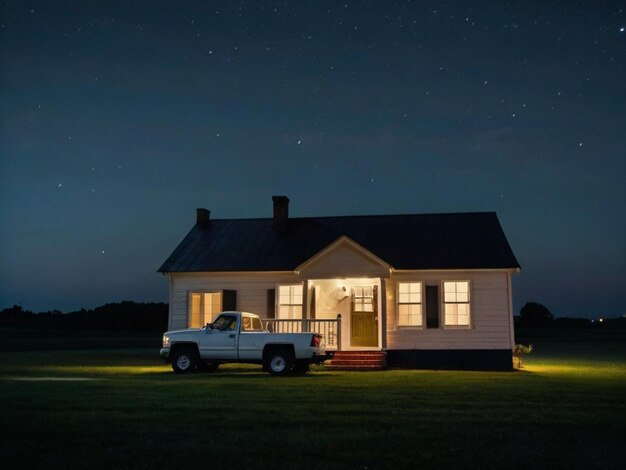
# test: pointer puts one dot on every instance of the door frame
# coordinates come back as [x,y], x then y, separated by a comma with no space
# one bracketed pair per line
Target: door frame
[375,317]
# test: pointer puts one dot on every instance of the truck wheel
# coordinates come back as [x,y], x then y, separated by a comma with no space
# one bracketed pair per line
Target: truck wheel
[279,362]
[184,361]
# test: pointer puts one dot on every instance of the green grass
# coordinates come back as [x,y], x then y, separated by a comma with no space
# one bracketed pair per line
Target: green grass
[125,409]
[21,339]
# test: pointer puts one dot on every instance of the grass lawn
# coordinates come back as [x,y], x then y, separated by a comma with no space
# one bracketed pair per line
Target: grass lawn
[21,339]
[123,408]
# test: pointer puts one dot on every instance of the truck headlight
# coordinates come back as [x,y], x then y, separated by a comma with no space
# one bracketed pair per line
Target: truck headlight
[166,341]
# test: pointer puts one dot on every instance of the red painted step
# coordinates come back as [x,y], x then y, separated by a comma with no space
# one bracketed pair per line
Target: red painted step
[358,360]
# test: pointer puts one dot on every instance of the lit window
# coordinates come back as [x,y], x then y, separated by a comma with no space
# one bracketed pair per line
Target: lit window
[409,304]
[290,302]
[203,307]
[456,298]
[363,299]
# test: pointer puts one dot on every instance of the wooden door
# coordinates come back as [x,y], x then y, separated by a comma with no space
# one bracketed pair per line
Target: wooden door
[364,316]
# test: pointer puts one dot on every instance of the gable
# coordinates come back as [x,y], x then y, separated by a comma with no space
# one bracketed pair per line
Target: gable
[343,258]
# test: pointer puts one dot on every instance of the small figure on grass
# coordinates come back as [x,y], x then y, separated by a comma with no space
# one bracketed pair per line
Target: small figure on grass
[519,351]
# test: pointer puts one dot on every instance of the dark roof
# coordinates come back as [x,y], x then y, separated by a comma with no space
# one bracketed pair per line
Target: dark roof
[430,241]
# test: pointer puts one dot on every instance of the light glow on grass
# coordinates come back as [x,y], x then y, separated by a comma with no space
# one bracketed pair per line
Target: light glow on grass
[574,369]
[99,371]
[50,379]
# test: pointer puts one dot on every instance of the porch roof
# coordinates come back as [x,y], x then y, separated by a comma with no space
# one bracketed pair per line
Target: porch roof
[427,241]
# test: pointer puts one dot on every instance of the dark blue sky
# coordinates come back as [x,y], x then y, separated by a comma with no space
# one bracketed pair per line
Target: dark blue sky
[120,118]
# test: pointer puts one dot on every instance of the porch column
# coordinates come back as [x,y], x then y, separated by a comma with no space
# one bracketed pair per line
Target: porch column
[382,324]
[339,332]
[305,299]
[305,303]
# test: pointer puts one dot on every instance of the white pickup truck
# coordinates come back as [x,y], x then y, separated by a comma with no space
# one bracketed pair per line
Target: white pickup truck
[240,337]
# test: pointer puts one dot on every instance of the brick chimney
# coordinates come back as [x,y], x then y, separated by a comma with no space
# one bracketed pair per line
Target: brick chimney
[202,217]
[281,211]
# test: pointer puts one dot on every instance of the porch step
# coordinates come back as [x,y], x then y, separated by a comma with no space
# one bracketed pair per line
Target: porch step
[358,360]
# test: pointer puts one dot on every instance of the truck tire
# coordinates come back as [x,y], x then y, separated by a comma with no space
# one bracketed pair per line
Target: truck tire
[279,362]
[184,361]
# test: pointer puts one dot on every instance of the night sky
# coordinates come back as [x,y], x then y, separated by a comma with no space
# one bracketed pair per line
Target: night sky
[119,119]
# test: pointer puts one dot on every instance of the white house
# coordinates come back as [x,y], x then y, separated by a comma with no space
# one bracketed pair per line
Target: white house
[430,290]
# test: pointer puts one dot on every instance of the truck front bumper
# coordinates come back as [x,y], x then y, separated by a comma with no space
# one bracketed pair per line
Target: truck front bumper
[165,354]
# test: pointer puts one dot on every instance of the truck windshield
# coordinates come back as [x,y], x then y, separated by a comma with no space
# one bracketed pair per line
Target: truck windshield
[224,323]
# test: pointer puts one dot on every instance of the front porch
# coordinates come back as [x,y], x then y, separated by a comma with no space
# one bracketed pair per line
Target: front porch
[341,293]
[357,306]
[348,312]
[355,358]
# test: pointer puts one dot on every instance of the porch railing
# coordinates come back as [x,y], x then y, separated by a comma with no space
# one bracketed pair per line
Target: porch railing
[330,329]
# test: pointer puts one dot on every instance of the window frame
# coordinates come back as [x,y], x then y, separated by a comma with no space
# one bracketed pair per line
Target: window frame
[363,299]
[421,326]
[278,303]
[202,293]
[444,303]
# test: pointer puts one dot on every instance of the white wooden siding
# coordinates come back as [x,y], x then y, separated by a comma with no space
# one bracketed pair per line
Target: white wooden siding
[251,290]
[491,317]
[344,260]
[489,310]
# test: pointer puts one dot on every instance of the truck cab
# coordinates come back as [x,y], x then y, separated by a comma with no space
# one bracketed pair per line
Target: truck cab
[222,338]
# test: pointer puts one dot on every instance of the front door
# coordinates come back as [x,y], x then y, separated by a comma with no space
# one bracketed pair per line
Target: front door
[364,316]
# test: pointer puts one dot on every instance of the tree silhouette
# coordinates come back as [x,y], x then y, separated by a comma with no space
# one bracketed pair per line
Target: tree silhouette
[535,315]
[120,316]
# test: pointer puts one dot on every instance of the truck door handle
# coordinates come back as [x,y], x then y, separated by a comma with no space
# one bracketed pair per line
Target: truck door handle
[232,336]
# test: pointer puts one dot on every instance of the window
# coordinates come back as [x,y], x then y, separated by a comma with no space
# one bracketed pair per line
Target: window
[290,302]
[363,299]
[225,323]
[251,324]
[456,299]
[410,304]
[202,308]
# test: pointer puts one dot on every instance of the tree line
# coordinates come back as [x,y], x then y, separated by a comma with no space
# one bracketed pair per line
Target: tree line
[120,316]
[137,316]
[536,315]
